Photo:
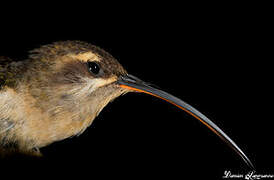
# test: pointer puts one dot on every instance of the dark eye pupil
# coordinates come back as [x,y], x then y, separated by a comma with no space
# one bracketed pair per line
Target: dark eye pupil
[93,67]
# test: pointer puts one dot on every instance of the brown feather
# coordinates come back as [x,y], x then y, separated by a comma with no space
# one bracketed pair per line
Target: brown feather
[52,95]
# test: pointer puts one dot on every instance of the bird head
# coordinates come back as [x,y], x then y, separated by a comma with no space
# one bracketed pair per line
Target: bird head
[72,76]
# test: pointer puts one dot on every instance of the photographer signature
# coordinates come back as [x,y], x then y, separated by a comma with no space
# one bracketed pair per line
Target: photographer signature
[249,176]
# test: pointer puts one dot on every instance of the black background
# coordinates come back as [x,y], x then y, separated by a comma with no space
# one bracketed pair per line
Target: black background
[216,57]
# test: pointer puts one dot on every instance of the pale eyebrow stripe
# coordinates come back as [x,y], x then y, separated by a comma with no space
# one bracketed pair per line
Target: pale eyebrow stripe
[87,56]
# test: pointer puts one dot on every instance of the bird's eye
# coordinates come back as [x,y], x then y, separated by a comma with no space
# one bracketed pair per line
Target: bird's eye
[93,67]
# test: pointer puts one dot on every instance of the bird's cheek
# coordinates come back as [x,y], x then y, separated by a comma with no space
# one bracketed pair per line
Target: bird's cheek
[100,82]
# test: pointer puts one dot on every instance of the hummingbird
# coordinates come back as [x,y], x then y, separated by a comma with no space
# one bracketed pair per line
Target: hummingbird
[59,90]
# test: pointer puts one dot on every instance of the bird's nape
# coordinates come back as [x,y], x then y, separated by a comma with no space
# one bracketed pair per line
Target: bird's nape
[132,83]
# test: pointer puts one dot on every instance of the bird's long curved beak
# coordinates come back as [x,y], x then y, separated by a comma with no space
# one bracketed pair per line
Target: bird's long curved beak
[135,84]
